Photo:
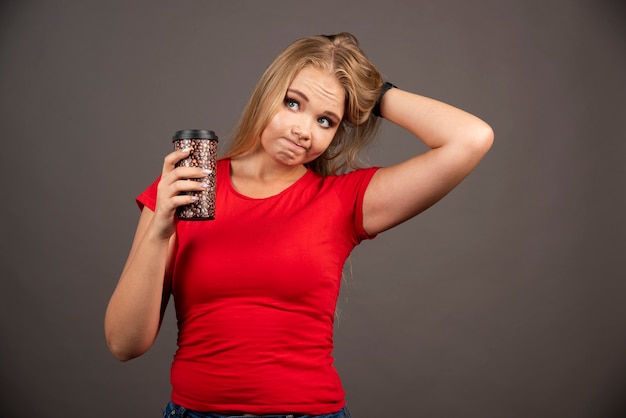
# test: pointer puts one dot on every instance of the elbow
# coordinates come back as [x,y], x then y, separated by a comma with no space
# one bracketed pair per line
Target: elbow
[122,349]
[124,339]
[482,138]
[122,353]
[486,137]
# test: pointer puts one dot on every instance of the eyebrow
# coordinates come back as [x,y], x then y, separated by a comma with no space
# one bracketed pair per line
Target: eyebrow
[306,99]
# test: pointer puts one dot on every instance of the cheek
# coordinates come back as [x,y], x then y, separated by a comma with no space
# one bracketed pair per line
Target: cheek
[273,123]
[271,128]
[324,140]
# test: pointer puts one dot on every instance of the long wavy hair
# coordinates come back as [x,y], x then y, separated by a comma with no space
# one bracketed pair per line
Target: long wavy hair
[339,55]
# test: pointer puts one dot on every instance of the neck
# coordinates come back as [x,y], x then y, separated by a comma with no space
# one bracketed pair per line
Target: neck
[254,177]
[257,166]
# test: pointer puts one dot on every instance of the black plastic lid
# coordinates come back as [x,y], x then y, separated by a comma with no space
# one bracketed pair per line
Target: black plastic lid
[194,134]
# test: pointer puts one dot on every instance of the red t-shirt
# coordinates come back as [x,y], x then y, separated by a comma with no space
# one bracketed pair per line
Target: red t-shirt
[255,293]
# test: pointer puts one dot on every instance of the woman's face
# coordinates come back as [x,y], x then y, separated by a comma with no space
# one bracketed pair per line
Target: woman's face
[307,120]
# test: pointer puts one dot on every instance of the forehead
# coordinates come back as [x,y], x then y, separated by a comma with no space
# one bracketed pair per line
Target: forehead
[321,88]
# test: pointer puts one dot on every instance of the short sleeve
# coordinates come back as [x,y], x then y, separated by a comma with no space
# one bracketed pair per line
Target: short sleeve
[350,188]
[147,198]
[358,210]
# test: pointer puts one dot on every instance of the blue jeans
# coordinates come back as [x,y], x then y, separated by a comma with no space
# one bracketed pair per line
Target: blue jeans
[173,410]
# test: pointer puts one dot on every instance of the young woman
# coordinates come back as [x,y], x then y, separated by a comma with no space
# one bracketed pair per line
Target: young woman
[255,289]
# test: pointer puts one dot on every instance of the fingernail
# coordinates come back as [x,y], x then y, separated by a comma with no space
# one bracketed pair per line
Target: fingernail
[185,150]
[206,171]
[205,185]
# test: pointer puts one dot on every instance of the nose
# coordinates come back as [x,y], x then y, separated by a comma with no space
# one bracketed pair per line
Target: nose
[301,129]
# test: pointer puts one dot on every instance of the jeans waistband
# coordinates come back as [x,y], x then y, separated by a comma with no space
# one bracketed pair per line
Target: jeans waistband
[173,410]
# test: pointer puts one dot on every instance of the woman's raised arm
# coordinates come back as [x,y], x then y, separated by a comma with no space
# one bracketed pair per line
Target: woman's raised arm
[457,142]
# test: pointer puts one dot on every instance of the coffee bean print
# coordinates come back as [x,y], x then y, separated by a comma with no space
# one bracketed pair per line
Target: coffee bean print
[203,154]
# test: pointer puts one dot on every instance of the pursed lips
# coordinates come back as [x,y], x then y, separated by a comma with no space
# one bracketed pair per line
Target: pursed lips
[295,143]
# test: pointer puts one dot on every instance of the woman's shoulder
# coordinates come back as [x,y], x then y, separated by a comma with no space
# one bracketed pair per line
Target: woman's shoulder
[356,179]
[354,175]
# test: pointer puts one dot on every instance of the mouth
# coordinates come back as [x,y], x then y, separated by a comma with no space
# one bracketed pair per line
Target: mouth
[294,144]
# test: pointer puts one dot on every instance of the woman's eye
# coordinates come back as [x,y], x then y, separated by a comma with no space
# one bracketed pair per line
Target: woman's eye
[292,104]
[325,122]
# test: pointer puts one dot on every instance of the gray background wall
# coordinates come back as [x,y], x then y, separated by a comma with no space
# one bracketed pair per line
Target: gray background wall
[504,300]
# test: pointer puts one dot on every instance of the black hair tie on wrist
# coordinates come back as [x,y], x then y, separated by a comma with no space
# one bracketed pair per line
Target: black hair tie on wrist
[386,86]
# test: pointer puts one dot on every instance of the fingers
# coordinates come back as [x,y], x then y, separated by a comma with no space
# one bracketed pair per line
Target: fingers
[176,188]
[177,183]
[183,171]
[173,158]
[185,185]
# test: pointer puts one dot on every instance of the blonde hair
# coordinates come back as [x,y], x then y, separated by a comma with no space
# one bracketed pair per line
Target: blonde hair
[341,56]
